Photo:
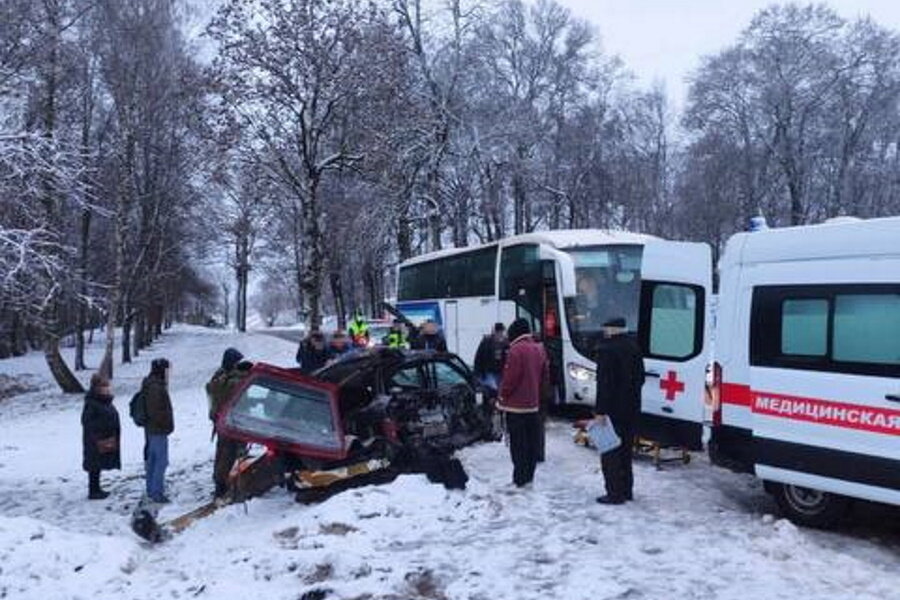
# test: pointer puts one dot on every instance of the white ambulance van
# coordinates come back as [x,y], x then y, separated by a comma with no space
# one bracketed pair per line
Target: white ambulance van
[806,376]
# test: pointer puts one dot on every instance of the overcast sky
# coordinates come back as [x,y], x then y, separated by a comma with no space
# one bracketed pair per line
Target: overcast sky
[664,39]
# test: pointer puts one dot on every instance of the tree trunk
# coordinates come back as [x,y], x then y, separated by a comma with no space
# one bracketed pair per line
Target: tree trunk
[337,291]
[311,282]
[127,321]
[58,368]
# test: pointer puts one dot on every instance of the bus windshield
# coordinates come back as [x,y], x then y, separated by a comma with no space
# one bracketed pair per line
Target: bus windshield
[608,286]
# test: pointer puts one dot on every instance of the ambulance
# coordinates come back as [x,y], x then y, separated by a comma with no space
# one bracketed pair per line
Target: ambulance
[806,378]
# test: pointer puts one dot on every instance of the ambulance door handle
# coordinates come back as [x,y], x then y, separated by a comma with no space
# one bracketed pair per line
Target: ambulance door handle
[892,397]
[651,374]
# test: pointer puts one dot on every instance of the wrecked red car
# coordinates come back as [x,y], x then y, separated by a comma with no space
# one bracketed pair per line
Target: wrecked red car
[365,418]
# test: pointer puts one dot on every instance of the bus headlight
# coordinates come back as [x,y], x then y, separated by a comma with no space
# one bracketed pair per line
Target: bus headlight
[581,373]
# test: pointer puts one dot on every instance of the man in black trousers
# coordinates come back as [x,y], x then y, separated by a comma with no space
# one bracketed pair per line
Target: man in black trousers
[620,376]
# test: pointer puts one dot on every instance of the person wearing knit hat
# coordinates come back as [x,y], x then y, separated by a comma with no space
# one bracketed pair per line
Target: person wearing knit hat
[219,391]
[525,374]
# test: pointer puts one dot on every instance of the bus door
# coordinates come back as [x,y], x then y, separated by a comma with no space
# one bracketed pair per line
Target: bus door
[451,325]
[673,330]
[529,281]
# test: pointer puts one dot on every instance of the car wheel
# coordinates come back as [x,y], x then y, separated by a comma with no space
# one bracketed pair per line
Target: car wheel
[808,507]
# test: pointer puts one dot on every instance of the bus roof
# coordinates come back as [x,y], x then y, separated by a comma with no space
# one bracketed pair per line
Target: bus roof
[558,238]
[836,238]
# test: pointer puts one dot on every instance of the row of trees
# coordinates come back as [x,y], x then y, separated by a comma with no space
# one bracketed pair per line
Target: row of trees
[322,141]
[101,144]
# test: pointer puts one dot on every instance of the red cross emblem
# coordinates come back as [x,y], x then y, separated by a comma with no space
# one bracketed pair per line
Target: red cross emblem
[671,385]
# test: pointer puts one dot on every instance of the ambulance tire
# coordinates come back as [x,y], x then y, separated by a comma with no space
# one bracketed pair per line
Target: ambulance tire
[808,507]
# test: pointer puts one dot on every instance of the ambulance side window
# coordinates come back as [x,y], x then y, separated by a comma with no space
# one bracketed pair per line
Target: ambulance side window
[672,317]
[867,328]
[804,327]
[850,328]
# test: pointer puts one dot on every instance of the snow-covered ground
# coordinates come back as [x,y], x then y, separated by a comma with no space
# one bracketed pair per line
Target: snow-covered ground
[693,532]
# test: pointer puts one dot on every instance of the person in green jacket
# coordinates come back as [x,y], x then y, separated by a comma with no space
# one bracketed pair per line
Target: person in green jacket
[219,390]
[359,330]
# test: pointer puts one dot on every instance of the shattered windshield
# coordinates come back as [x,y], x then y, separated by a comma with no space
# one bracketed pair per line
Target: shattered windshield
[289,413]
[608,285]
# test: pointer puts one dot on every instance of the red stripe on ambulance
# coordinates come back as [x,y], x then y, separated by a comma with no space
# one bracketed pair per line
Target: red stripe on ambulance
[813,410]
[825,412]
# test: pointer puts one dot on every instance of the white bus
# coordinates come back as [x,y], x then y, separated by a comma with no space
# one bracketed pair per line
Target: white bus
[567,284]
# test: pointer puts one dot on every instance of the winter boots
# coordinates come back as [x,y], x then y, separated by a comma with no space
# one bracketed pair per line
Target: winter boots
[95,492]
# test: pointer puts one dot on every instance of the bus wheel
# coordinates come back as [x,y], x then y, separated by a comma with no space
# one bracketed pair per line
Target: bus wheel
[809,507]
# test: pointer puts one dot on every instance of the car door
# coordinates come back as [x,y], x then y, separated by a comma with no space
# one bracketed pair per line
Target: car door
[283,410]
[673,329]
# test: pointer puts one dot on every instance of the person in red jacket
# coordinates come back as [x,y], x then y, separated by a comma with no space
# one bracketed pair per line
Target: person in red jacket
[524,375]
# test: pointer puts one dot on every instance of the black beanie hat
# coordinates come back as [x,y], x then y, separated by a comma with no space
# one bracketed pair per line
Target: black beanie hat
[159,366]
[518,328]
[231,357]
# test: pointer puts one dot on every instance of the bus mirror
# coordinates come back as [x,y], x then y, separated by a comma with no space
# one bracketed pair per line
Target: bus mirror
[565,269]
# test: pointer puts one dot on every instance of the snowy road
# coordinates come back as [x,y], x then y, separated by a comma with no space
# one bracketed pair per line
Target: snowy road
[693,532]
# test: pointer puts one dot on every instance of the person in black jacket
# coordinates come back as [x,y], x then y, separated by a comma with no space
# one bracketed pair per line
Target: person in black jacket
[429,338]
[620,376]
[490,358]
[312,353]
[101,434]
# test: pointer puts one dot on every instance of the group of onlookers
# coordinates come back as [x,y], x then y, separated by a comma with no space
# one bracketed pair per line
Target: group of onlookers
[525,389]
[151,409]
[102,430]
[316,351]
[511,366]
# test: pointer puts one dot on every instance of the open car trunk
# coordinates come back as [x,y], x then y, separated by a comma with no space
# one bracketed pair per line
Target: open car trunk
[384,411]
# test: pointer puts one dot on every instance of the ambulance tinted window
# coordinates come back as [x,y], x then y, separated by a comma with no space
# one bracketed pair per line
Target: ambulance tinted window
[673,321]
[804,327]
[846,328]
[867,328]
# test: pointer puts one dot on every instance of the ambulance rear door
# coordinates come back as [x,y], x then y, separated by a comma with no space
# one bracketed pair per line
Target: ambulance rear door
[674,333]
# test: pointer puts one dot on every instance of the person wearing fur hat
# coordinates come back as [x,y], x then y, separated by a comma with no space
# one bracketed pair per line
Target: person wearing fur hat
[100,434]
[219,390]
[525,374]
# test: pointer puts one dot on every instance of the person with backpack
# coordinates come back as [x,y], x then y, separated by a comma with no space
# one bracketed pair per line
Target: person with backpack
[101,433]
[159,424]
[219,390]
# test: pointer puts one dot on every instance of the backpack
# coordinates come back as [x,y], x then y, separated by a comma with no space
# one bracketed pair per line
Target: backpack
[137,408]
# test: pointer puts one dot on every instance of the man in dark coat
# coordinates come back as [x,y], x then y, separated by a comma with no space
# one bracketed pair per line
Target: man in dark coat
[526,372]
[101,433]
[491,357]
[160,424]
[620,377]
[429,338]
[219,390]
[312,353]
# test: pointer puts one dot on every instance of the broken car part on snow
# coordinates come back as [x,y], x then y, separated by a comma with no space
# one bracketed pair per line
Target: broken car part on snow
[365,419]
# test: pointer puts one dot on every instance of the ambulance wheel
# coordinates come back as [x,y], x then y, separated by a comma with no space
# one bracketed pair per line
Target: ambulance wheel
[808,507]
